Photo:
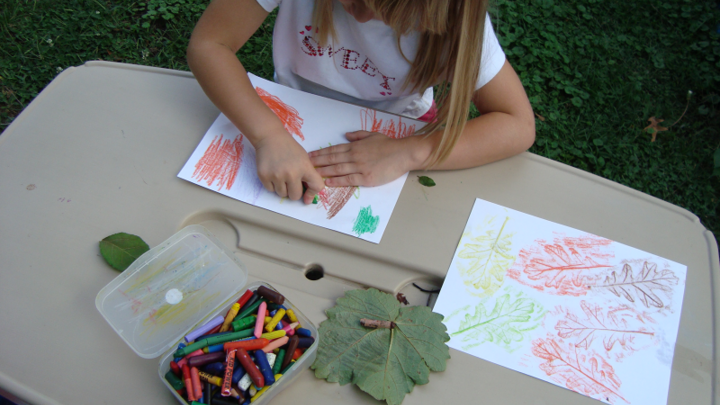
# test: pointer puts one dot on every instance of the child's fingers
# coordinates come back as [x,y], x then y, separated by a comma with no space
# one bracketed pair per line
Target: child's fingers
[295,190]
[315,184]
[357,135]
[336,170]
[355,179]
[268,185]
[280,188]
[329,150]
[330,159]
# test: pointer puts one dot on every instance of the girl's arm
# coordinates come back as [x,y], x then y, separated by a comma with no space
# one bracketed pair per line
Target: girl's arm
[222,30]
[505,128]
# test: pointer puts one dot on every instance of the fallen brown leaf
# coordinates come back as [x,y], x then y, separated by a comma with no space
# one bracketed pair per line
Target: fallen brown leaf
[654,128]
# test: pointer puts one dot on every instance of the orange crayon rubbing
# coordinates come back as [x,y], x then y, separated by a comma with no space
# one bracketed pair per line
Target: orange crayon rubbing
[581,371]
[370,122]
[287,114]
[567,266]
[221,161]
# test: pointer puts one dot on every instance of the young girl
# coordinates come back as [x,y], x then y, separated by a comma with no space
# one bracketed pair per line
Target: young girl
[385,54]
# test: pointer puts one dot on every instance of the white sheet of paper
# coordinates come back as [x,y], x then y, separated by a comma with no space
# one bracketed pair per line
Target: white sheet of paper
[570,308]
[224,161]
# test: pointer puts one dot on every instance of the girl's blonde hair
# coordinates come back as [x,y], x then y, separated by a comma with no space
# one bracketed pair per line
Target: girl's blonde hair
[451,38]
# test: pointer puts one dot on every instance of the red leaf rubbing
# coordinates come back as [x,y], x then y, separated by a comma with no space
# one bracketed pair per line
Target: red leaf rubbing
[614,326]
[579,371]
[221,161]
[333,199]
[370,123]
[287,114]
[568,266]
[643,285]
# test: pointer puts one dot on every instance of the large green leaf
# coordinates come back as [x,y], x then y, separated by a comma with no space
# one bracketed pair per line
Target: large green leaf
[121,249]
[385,363]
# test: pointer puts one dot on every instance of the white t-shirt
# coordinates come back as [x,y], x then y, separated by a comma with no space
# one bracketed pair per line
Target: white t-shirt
[364,66]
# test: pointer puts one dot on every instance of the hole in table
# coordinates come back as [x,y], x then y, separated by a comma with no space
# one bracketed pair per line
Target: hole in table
[314,271]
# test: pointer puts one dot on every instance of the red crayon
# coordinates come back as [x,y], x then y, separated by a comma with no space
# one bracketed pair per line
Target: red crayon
[197,387]
[227,381]
[254,344]
[250,368]
[175,369]
[245,297]
[213,330]
[188,382]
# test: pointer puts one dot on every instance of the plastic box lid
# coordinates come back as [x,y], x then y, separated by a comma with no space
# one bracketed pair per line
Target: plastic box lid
[169,289]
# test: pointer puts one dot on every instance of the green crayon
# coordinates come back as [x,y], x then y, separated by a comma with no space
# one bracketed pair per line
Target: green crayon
[278,361]
[249,310]
[243,323]
[174,381]
[216,340]
[191,348]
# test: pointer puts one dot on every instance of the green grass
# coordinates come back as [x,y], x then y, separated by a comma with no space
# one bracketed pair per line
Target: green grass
[595,71]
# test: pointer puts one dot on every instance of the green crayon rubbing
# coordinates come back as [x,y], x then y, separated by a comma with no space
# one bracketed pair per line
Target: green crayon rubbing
[366,222]
[506,323]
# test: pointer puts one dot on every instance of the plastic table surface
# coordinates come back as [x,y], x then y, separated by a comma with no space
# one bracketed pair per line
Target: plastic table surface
[98,151]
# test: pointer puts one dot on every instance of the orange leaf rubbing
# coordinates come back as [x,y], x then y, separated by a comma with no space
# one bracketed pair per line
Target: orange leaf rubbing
[616,325]
[221,161]
[288,115]
[371,123]
[568,266]
[580,371]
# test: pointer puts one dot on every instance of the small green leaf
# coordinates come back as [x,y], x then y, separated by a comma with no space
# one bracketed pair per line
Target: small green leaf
[121,249]
[426,181]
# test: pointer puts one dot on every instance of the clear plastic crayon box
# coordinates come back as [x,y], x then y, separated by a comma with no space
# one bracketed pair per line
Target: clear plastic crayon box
[176,287]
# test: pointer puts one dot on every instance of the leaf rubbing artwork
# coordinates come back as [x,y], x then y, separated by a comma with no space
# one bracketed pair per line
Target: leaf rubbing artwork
[567,266]
[507,323]
[641,286]
[385,363]
[489,257]
[579,371]
[613,326]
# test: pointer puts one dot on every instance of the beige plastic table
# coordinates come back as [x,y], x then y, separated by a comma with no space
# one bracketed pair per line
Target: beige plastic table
[98,152]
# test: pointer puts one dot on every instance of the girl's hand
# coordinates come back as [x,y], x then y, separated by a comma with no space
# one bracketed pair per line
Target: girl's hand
[283,166]
[370,159]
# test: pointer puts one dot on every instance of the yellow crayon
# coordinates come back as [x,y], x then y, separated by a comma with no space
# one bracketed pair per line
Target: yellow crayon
[229,317]
[262,391]
[267,319]
[273,323]
[273,335]
[210,378]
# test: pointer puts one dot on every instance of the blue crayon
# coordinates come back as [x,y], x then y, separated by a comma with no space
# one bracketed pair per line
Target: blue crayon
[279,325]
[215,348]
[303,332]
[237,374]
[180,346]
[217,369]
[264,366]
[305,342]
